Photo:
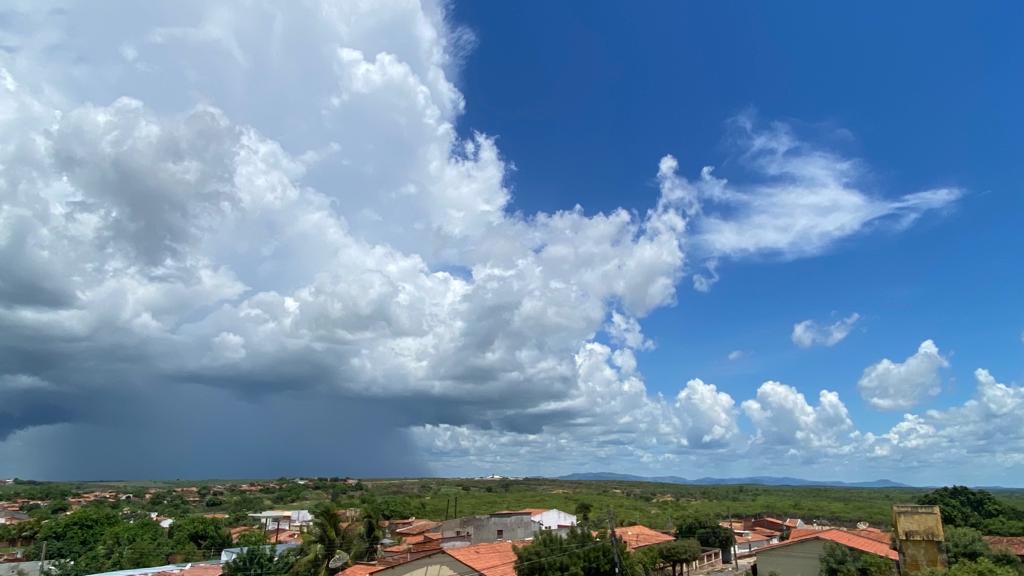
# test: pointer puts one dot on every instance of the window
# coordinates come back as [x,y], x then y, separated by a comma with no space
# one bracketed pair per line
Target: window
[501,534]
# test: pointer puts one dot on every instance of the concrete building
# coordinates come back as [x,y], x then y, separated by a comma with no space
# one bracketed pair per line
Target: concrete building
[283,519]
[552,519]
[802,556]
[919,537]
[488,528]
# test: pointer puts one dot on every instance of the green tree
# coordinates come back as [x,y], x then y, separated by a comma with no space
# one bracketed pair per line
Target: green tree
[137,544]
[964,544]
[708,533]
[579,553]
[258,557]
[73,535]
[197,537]
[325,541]
[583,510]
[679,553]
[962,506]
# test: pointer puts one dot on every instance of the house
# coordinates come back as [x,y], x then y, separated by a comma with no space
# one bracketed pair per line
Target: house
[766,522]
[12,517]
[919,537]
[749,543]
[802,556]
[1012,544]
[552,519]
[418,527]
[493,559]
[497,527]
[638,536]
[284,519]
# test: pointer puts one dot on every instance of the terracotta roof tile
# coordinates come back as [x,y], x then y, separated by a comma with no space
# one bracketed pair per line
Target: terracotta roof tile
[496,559]
[1013,544]
[360,570]
[848,539]
[638,536]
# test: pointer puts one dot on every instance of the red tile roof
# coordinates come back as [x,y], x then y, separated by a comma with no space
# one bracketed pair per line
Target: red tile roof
[360,570]
[792,522]
[765,532]
[535,511]
[796,533]
[638,536]
[874,534]
[496,559]
[418,527]
[1014,544]
[848,539]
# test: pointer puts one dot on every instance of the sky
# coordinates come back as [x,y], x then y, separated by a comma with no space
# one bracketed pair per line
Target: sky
[403,238]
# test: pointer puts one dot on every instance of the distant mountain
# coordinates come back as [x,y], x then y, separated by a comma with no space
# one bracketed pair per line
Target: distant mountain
[760,480]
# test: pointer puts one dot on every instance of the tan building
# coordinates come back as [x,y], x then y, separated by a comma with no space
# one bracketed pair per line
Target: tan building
[919,537]
[802,556]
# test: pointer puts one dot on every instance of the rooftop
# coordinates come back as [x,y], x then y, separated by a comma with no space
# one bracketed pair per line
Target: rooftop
[848,539]
[638,536]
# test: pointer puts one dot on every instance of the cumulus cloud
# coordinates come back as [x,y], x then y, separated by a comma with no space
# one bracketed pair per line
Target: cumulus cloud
[986,430]
[890,385]
[785,421]
[194,224]
[810,333]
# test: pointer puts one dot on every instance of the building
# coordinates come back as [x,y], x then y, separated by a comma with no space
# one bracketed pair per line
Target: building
[552,519]
[497,527]
[748,543]
[1011,544]
[919,537]
[12,517]
[802,556]
[284,519]
[494,559]
[638,536]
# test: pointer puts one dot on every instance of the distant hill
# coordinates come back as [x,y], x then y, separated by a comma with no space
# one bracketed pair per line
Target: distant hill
[760,480]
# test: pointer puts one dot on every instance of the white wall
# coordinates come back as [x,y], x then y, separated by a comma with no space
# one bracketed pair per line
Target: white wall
[552,519]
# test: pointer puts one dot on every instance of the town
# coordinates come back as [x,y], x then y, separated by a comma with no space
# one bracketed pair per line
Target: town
[356,527]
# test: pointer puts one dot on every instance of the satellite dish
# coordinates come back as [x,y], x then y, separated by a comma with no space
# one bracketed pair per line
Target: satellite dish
[339,560]
[862,525]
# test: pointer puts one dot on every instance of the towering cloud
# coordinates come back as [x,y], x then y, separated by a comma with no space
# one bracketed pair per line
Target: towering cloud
[263,223]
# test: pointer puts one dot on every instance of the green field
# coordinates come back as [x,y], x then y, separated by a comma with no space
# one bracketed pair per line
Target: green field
[653,504]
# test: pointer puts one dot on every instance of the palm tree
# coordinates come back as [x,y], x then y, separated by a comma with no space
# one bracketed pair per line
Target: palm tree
[325,541]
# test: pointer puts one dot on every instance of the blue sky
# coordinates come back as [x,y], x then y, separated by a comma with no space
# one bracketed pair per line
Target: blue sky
[584,101]
[522,238]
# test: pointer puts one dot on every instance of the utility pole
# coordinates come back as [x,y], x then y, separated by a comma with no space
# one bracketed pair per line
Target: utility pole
[615,543]
[42,560]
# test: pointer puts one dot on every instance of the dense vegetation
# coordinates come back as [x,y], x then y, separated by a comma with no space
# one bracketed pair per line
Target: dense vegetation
[119,534]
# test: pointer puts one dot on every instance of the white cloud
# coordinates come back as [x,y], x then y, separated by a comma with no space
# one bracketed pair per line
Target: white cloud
[809,333]
[890,385]
[189,213]
[626,331]
[986,430]
[735,355]
[785,421]
[806,199]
